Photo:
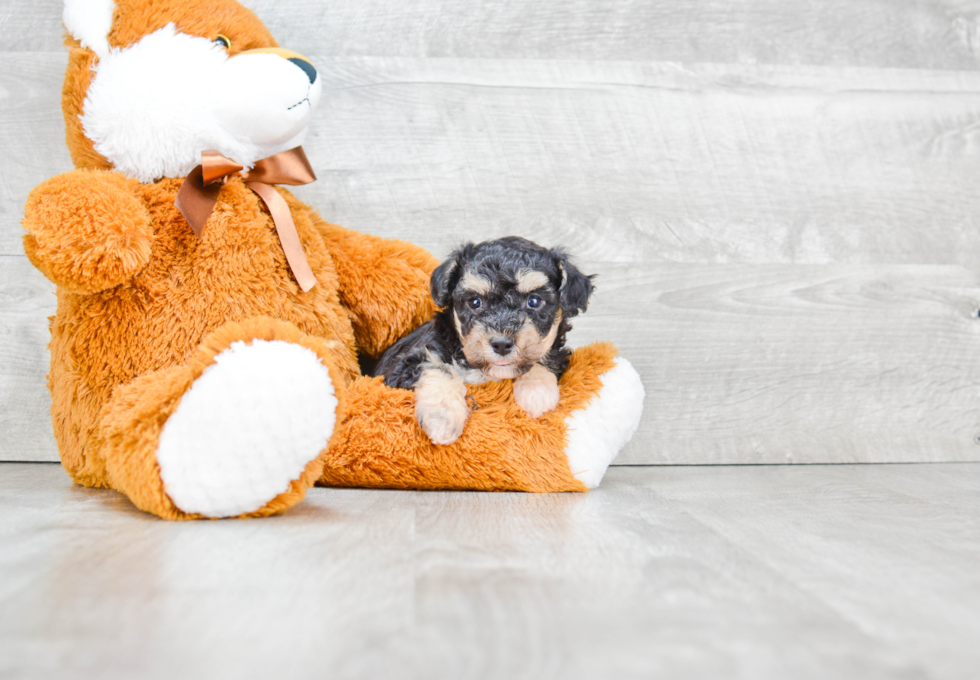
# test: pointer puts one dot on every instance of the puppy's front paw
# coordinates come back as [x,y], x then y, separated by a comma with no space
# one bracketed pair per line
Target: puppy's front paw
[443,426]
[440,406]
[537,391]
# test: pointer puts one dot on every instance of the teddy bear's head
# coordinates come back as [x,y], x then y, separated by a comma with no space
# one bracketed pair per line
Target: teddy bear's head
[152,83]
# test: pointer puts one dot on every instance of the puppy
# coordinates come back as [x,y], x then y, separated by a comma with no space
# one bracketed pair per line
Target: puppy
[506,306]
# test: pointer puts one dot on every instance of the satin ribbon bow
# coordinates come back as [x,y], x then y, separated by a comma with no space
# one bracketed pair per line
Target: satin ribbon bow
[199,193]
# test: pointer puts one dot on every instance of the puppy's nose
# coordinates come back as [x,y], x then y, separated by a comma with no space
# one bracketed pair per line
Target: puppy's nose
[306,66]
[502,345]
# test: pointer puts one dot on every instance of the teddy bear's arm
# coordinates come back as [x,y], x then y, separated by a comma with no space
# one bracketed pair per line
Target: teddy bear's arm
[384,284]
[87,230]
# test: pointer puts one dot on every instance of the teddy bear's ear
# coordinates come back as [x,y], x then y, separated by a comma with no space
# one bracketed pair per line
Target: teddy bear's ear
[89,22]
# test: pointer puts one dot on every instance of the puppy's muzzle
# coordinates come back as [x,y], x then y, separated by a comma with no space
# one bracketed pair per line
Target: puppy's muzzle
[502,345]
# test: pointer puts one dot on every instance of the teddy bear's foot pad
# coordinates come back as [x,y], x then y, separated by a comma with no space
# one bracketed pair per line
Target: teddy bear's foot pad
[246,428]
[597,432]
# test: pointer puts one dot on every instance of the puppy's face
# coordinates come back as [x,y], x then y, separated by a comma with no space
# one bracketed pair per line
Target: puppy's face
[506,318]
[507,299]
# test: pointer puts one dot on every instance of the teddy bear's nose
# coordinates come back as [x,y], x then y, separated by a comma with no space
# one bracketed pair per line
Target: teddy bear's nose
[307,68]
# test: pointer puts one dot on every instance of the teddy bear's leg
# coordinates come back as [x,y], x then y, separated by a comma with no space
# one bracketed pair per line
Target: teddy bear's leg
[240,430]
[602,426]
[380,444]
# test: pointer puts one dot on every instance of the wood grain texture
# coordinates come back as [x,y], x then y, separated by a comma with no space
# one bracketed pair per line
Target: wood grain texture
[761,573]
[793,364]
[26,301]
[32,134]
[736,141]
[741,363]
[655,162]
[942,34]
[628,162]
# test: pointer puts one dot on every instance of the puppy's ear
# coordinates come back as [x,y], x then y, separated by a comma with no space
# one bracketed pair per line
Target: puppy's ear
[575,287]
[444,279]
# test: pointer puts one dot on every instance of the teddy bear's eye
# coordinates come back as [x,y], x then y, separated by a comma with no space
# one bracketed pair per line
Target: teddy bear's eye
[223,41]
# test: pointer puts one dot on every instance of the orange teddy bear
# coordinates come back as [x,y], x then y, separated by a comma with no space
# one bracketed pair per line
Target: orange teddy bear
[207,366]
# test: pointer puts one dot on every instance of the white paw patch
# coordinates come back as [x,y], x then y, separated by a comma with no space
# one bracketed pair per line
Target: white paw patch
[536,392]
[440,406]
[246,428]
[598,432]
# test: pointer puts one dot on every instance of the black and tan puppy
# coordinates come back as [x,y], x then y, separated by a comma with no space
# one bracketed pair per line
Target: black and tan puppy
[506,306]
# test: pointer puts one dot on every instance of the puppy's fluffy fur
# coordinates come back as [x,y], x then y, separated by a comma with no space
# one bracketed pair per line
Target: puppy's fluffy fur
[506,306]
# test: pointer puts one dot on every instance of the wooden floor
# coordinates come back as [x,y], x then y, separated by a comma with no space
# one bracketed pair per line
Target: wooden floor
[670,572]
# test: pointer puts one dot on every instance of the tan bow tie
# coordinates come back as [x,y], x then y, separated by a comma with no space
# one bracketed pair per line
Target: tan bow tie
[199,192]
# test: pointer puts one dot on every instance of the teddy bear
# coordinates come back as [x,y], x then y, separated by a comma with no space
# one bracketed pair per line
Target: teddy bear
[205,348]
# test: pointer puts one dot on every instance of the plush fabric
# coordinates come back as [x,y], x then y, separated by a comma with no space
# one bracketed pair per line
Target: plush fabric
[502,448]
[146,308]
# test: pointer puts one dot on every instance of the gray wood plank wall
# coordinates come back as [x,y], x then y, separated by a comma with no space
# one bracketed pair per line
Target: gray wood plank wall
[779,197]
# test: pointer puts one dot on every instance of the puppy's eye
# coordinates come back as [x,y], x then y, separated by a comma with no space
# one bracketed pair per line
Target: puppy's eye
[534,302]
[222,41]
[474,303]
